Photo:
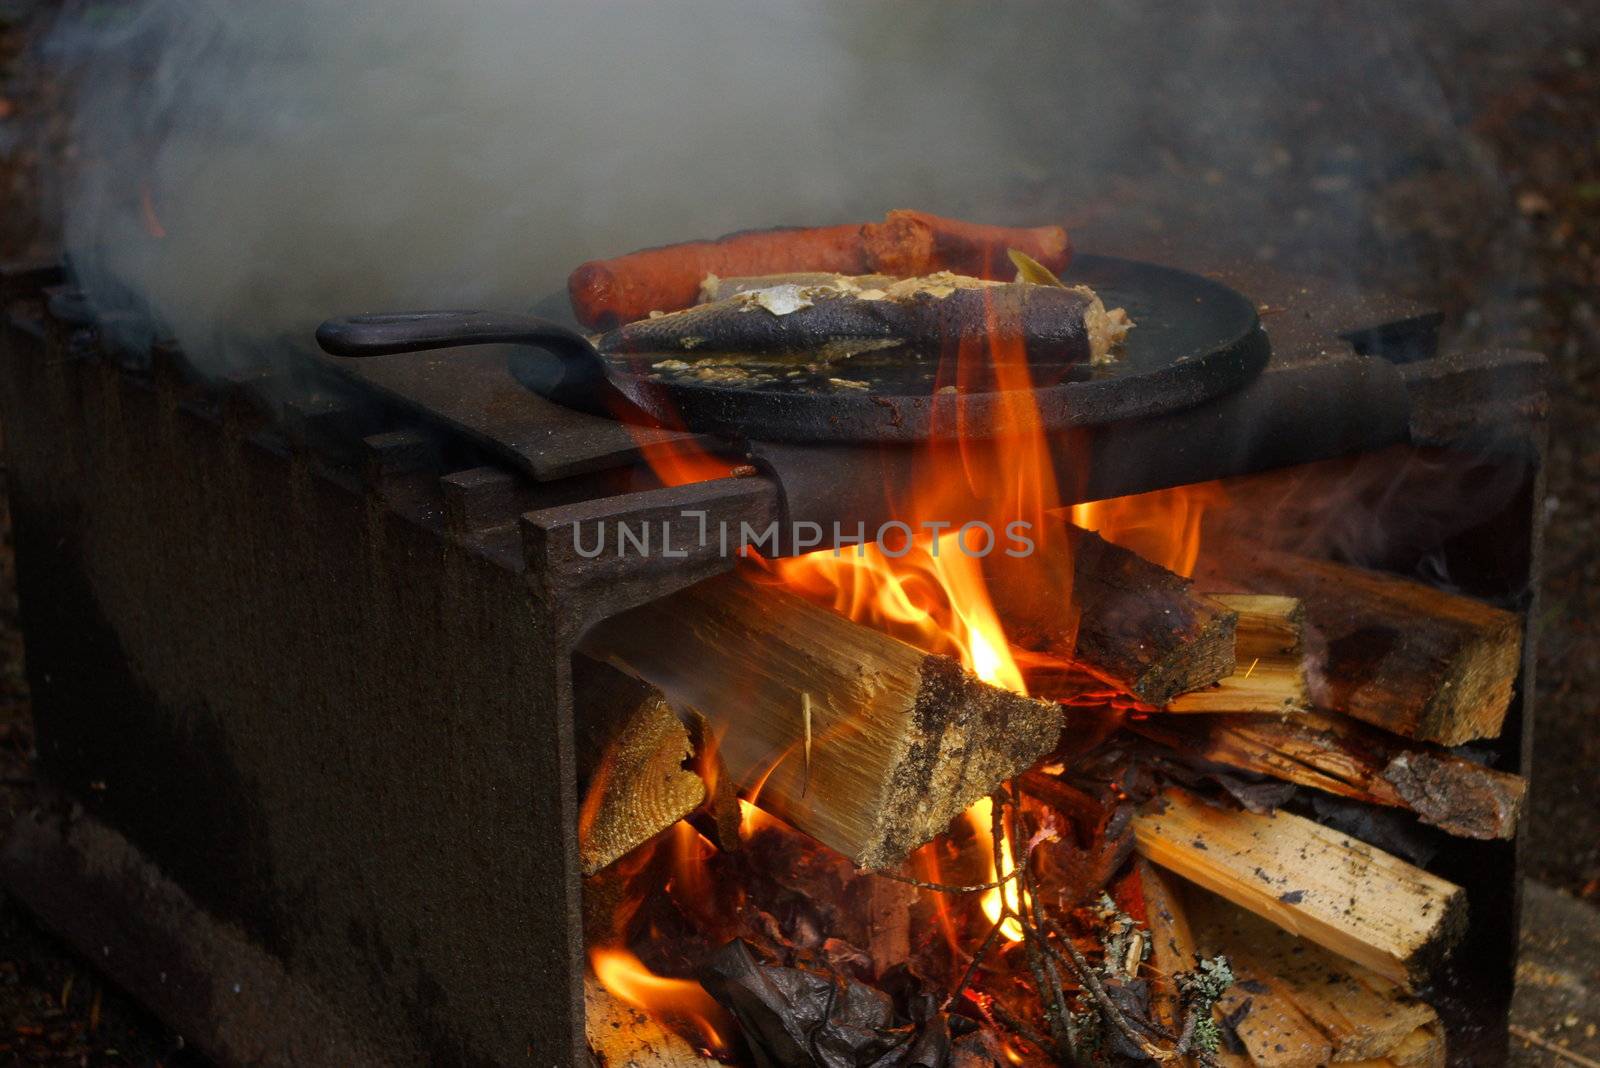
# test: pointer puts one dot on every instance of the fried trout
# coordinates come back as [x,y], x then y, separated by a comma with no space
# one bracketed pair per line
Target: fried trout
[831,317]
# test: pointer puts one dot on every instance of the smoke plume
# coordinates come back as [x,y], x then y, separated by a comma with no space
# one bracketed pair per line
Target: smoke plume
[246,169]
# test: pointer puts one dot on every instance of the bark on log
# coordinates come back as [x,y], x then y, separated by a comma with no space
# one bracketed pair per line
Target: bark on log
[1338,755]
[901,741]
[1362,903]
[1131,620]
[1269,660]
[631,753]
[1411,659]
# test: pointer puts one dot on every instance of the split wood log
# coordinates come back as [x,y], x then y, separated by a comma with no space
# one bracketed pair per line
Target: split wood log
[862,741]
[1360,1014]
[1273,1032]
[621,1036]
[631,754]
[1172,946]
[1136,622]
[1340,893]
[1269,660]
[1338,755]
[1402,656]
[1423,1048]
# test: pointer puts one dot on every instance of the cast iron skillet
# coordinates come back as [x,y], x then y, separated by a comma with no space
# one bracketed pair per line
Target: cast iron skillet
[1193,339]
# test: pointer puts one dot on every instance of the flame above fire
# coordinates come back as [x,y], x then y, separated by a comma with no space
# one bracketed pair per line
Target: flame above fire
[625,977]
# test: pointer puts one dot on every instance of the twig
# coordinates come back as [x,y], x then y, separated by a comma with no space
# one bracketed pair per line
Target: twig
[1027,1032]
[947,888]
[1091,982]
[972,965]
[1533,1038]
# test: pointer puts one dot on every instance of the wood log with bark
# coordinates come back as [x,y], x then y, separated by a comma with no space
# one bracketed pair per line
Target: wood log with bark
[631,754]
[1269,660]
[1269,673]
[867,744]
[1364,904]
[1338,755]
[1132,621]
[1402,656]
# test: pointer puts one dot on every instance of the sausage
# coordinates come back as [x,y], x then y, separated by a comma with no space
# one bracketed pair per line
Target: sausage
[911,243]
[607,293]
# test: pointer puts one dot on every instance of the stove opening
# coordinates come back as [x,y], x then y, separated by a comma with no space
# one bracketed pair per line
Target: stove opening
[1223,804]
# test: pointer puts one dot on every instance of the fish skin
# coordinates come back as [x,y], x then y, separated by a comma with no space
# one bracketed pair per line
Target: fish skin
[1050,321]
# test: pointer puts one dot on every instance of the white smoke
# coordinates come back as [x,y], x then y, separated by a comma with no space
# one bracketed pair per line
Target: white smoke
[307,158]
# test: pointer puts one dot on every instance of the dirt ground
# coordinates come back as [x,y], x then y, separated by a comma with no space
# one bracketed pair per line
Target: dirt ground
[1523,83]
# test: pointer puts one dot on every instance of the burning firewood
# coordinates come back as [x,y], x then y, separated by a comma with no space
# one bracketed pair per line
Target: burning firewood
[1137,623]
[1328,1008]
[1338,755]
[1362,903]
[1411,659]
[1269,652]
[901,741]
[1269,667]
[631,750]
[621,1036]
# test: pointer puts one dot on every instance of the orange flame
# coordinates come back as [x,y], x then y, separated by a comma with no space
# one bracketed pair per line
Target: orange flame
[625,977]
[942,589]
[968,505]
[1162,526]
[981,816]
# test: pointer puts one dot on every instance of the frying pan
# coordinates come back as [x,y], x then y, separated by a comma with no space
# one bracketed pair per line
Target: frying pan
[1193,339]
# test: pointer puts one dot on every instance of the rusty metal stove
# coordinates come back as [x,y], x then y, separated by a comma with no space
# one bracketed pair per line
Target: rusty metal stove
[299,641]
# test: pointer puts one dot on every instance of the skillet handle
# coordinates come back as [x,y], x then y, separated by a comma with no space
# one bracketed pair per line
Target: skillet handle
[576,377]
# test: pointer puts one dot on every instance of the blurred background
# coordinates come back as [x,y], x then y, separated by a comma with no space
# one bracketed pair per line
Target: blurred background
[305,157]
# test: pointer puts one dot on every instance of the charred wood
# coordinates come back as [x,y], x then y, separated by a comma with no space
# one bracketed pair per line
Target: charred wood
[1338,755]
[1269,666]
[1131,620]
[1402,656]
